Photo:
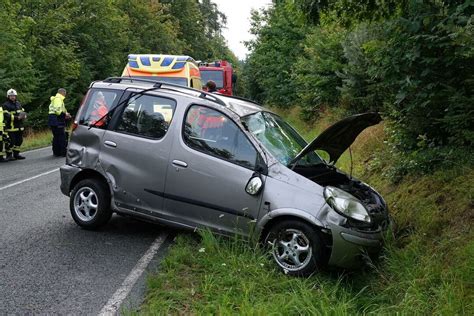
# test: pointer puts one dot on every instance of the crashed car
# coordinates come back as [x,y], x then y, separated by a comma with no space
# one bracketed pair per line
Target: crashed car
[189,159]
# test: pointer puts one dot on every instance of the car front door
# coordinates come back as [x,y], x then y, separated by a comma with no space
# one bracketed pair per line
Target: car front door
[211,163]
[135,153]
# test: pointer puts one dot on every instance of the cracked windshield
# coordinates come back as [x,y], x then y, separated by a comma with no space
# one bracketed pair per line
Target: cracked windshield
[279,138]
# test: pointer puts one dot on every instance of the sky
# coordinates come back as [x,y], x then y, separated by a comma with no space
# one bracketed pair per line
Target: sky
[238,22]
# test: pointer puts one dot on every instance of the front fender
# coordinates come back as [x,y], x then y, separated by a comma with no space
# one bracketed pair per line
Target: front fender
[296,213]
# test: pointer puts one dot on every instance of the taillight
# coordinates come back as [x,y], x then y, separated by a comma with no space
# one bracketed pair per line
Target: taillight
[74,125]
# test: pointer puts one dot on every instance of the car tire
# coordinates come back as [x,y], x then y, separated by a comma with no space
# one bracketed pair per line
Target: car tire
[295,247]
[90,204]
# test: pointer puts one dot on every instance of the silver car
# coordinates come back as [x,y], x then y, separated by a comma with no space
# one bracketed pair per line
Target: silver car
[190,159]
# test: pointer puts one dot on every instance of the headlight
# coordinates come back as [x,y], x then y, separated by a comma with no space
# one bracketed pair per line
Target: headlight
[346,204]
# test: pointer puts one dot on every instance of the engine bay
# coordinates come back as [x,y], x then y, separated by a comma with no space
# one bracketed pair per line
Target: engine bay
[328,175]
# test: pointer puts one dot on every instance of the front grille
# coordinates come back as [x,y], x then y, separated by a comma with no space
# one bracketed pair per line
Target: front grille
[375,209]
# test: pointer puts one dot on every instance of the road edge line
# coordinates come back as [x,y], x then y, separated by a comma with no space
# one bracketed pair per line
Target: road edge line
[28,179]
[113,304]
[36,149]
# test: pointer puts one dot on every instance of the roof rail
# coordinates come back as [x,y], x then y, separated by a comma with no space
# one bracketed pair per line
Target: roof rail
[169,86]
[119,80]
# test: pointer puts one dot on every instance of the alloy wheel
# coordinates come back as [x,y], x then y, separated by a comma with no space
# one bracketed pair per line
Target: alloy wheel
[86,204]
[291,249]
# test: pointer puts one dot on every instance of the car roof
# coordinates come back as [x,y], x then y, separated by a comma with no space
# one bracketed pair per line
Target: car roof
[239,106]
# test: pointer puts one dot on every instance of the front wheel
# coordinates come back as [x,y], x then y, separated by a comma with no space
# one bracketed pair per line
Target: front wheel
[295,246]
[90,204]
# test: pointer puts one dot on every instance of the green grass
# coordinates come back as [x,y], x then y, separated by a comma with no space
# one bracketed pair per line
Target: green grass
[215,275]
[37,139]
[427,266]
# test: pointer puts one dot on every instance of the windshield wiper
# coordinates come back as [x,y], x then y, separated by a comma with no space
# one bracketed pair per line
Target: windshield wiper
[292,164]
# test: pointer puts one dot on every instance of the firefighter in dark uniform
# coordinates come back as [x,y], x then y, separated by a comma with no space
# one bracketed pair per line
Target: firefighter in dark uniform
[13,114]
[2,136]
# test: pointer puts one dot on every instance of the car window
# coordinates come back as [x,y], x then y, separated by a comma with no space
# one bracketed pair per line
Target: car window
[97,105]
[215,75]
[213,133]
[147,116]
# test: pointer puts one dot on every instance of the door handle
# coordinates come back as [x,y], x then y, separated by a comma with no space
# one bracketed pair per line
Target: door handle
[110,143]
[179,163]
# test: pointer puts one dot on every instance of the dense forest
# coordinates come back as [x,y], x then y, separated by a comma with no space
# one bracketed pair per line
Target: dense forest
[47,44]
[412,60]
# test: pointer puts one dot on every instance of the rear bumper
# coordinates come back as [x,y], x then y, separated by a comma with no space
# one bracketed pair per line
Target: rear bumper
[67,175]
[348,246]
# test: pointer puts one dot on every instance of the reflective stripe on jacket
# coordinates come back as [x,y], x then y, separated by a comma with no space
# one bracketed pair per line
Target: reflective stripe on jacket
[1,119]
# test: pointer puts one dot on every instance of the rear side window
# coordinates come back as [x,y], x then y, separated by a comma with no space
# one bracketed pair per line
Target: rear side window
[147,116]
[97,106]
[213,133]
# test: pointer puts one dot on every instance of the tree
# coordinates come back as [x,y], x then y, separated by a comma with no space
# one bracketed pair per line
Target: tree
[47,44]
[16,69]
[279,33]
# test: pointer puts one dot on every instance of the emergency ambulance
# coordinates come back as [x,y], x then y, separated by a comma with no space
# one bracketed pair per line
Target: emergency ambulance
[180,70]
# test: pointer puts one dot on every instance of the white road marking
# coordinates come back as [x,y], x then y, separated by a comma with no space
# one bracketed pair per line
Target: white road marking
[28,179]
[113,304]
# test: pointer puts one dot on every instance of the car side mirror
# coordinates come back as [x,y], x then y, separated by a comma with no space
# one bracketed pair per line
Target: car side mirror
[254,186]
[234,78]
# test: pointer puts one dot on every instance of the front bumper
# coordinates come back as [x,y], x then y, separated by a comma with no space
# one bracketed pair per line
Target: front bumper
[348,245]
[67,175]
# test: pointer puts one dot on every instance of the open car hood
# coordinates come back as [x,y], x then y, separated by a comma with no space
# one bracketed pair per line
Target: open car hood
[339,136]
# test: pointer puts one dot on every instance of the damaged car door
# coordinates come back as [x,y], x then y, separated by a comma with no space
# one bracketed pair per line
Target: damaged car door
[135,153]
[213,179]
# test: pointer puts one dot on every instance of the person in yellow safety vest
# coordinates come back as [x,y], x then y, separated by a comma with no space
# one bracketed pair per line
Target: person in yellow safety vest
[57,122]
[14,115]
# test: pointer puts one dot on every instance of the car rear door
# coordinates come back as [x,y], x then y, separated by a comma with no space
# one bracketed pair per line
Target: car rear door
[85,143]
[135,153]
[211,163]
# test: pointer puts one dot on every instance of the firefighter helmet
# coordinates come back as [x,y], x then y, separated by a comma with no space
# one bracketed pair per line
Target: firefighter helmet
[11,92]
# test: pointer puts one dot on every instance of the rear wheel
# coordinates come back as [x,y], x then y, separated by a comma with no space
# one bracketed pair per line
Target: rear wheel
[90,204]
[295,246]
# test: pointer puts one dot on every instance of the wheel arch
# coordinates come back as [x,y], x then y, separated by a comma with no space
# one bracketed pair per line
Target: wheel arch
[276,216]
[88,174]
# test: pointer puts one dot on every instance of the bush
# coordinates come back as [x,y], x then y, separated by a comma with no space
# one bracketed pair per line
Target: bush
[412,60]
[428,67]
[316,70]
[360,89]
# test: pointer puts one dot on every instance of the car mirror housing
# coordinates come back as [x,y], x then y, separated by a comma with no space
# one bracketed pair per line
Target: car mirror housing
[254,186]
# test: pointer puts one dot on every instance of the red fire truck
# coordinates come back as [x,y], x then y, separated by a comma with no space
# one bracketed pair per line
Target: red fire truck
[221,73]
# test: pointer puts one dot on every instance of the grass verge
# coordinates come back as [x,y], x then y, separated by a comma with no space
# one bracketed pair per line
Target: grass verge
[427,266]
[36,139]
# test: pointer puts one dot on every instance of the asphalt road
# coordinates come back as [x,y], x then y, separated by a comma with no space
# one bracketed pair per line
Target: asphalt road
[48,264]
